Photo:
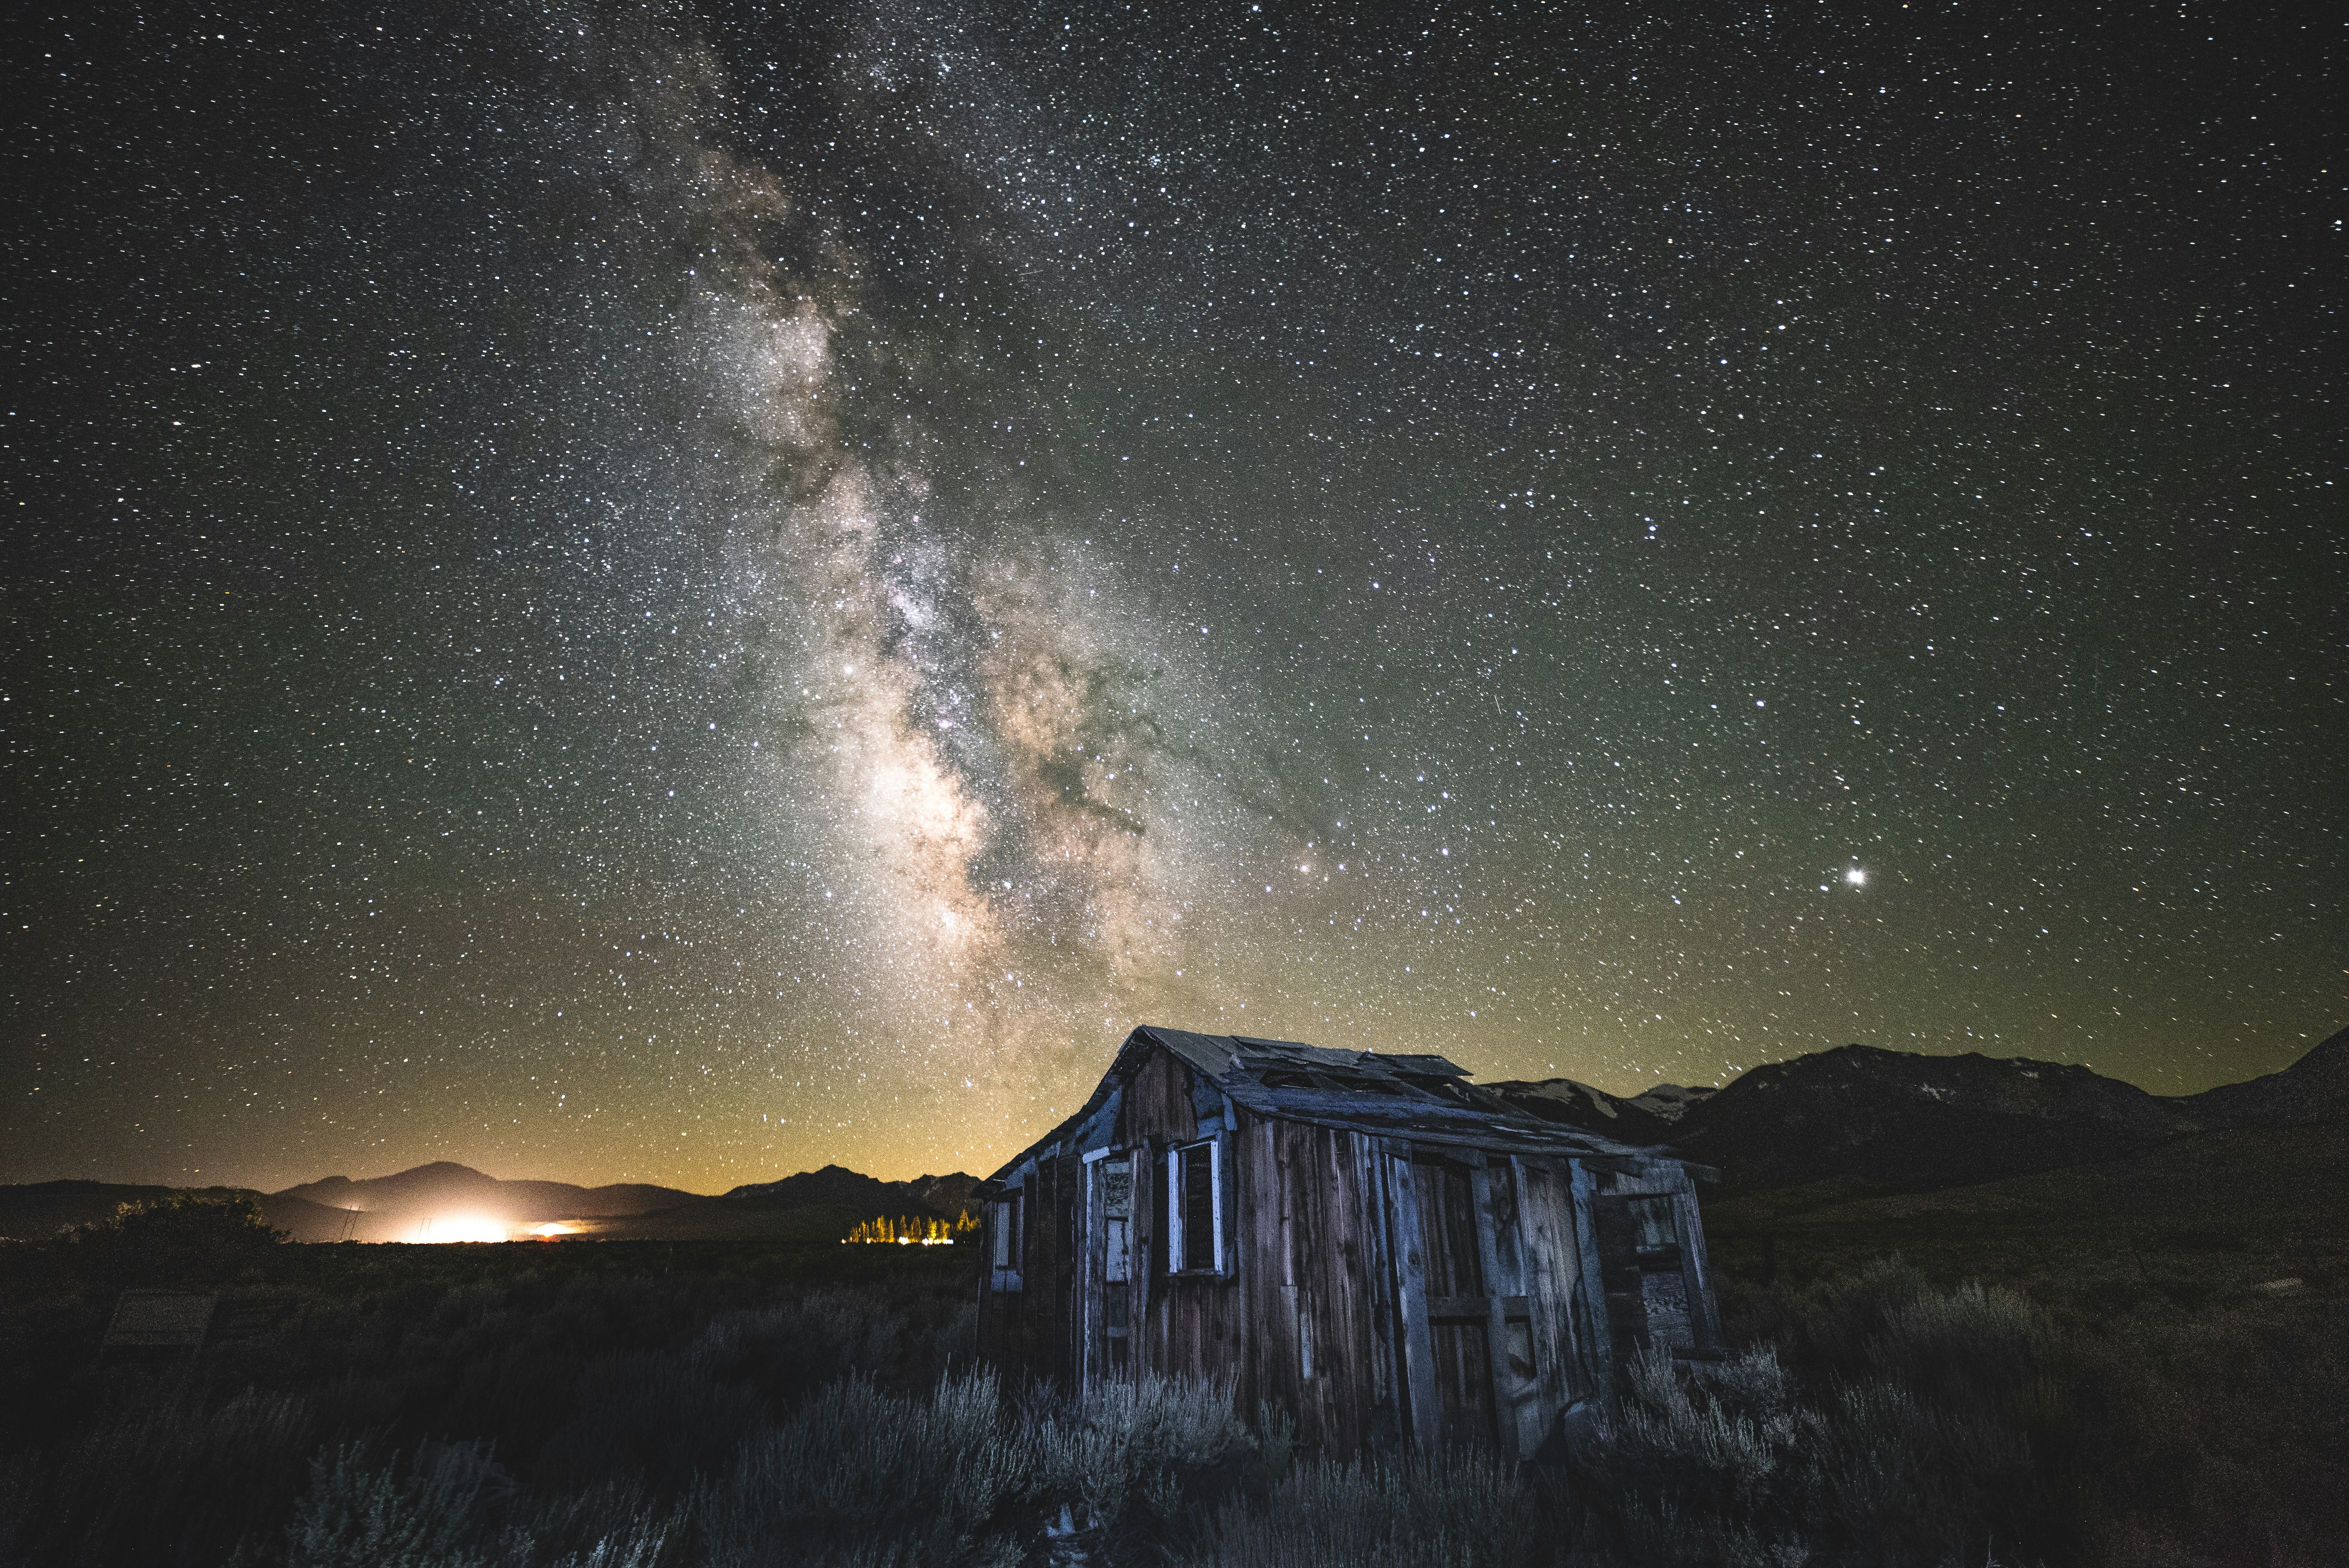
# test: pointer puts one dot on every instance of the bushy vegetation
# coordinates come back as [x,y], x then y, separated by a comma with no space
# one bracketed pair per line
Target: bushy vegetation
[586,1389]
[2191,1401]
[184,1241]
[1889,1423]
[650,1405]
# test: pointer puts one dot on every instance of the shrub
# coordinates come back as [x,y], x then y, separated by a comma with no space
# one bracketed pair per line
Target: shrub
[1460,1509]
[187,1240]
[156,1479]
[654,1419]
[1134,1443]
[666,1417]
[430,1513]
[1902,1435]
[858,1475]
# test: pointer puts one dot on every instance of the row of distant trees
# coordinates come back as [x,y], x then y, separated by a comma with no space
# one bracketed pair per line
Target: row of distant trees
[907,1229]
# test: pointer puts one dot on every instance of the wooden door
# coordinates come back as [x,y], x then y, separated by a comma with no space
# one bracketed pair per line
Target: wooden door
[1521,1407]
[1485,1350]
[1445,1312]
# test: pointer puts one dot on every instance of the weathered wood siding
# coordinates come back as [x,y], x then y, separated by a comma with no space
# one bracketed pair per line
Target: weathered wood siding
[1036,1329]
[1188,1325]
[1520,1415]
[1314,1275]
[1159,1107]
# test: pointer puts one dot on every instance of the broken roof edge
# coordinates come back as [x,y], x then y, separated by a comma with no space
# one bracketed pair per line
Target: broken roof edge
[1224,1059]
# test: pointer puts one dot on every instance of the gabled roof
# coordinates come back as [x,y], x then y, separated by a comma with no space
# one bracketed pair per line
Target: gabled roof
[1425,1099]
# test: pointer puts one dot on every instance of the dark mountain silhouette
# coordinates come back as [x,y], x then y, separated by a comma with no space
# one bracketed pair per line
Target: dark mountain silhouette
[443,1187]
[948,1194]
[1904,1121]
[832,1186]
[2313,1089]
[813,1205]
[1915,1121]
[836,1187]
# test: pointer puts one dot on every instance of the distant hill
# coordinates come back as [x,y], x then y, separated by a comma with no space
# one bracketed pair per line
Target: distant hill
[1904,1120]
[1892,1121]
[2313,1089]
[1898,1120]
[813,1205]
[430,1201]
[837,1187]
[834,1186]
[945,1195]
[444,1187]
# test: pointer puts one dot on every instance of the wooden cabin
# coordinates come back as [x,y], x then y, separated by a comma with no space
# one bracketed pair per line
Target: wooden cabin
[1367,1240]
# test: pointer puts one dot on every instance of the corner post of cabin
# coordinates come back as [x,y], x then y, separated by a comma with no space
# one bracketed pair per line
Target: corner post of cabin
[1225,1198]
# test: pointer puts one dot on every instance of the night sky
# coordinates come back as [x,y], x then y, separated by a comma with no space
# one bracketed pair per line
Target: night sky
[681,594]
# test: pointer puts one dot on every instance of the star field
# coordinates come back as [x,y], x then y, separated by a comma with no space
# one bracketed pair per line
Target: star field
[645,593]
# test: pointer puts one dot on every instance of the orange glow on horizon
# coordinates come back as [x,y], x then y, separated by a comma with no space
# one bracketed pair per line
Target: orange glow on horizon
[443,1228]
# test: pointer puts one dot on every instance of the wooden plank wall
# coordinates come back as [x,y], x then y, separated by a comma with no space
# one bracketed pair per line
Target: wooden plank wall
[1157,1107]
[1034,1332]
[1682,1315]
[1593,1317]
[1520,1415]
[1188,1327]
[998,1312]
[1312,1267]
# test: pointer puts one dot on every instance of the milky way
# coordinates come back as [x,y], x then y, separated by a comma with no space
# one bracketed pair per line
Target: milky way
[681,594]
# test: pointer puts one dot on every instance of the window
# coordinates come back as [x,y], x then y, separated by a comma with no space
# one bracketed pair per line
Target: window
[1195,1208]
[1003,1227]
[1117,1211]
[1652,1222]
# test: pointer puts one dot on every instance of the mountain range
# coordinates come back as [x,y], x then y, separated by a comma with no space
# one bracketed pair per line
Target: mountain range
[1889,1120]
[442,1187]
[1899,1121]
[444,1201]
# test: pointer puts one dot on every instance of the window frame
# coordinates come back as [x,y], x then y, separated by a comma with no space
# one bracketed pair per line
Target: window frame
[1177,1241]
[1007,1236]
[1117,1229]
